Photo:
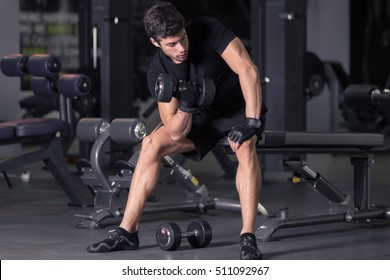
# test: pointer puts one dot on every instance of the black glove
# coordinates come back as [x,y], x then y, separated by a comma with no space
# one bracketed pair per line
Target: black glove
[188,97]
[244,131]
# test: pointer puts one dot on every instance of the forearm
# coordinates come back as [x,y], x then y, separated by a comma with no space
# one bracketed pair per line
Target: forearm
[179,125]
[251,88]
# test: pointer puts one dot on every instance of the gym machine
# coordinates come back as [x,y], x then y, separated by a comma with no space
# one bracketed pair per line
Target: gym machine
[111,191]
[50,133]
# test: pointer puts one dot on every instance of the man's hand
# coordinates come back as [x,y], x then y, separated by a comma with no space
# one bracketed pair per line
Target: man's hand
[242,132]
[188,98]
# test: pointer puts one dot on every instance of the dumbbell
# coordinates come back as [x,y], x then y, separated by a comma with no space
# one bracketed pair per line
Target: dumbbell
[166,87]
[169,235]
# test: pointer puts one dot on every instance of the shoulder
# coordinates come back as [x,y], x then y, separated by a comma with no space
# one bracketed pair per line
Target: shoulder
[211,32]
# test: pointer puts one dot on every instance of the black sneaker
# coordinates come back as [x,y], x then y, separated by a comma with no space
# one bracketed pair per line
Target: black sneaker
[118,240]
[248,248]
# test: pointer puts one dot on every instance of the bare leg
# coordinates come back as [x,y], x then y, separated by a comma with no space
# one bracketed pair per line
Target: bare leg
[145,177]
[248,183]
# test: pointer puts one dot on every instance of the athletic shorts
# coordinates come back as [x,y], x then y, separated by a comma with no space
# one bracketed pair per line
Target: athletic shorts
[208,128]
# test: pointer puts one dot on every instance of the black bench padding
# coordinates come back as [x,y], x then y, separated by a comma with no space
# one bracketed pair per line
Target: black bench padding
[6,132]
[280,139]
[34,126]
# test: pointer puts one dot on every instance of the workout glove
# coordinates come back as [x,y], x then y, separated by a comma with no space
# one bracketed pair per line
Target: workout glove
[242,132]
[188,98]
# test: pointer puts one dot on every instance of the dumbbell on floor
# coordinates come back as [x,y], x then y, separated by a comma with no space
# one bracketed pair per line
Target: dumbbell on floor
[166,87]
[169,235]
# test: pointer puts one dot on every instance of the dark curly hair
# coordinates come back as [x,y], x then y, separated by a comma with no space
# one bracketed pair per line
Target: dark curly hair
[163,20]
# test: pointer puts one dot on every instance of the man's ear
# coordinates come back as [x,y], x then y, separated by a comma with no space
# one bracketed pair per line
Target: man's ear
[155,43]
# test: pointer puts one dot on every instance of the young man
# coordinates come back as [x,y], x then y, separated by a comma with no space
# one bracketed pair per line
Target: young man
[203,48]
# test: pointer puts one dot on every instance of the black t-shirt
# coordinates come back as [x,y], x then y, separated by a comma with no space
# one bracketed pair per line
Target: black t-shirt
[208,38]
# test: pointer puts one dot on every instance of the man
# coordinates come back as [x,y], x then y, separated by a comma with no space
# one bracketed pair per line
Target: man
[203,48]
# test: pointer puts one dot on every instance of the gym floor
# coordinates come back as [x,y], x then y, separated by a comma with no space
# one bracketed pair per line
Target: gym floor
[36,222]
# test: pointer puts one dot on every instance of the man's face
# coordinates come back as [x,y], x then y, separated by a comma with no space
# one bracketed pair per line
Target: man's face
[175,47]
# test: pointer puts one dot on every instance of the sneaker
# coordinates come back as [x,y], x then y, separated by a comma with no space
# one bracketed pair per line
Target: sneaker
[248,248]
[118,240]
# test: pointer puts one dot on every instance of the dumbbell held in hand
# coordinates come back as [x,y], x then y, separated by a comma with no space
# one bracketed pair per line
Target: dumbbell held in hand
[169,235]
[166,88]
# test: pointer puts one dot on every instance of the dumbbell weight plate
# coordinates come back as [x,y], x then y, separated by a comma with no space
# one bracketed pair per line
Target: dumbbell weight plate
[168,236]
[203,234]
[90,129]
[164,88]
[43,65]
[14,65]
[74,85]
[207,94]
[128,131]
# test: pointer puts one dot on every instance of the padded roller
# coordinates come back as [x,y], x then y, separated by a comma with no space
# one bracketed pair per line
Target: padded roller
[14,65]
[360,96]
[128,131]
[90,129]
[74,85]
[42,86]
[44,65]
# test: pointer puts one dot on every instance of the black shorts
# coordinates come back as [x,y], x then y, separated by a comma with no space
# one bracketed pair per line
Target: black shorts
[208,128]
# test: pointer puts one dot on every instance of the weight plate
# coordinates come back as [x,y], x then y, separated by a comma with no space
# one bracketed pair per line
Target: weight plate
[168,236]
[207,92]
[203,233]
[164,88]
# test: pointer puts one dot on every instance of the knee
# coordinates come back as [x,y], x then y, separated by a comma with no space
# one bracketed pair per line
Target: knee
[247,149]
[151,146]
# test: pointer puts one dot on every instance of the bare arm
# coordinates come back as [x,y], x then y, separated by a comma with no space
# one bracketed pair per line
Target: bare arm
[239,61]
[177,123]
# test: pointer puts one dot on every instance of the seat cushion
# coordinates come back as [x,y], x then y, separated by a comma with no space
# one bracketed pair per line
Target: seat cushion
[6,132]
[34,126]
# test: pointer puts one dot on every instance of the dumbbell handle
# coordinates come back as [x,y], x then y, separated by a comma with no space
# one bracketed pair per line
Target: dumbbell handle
[189,234]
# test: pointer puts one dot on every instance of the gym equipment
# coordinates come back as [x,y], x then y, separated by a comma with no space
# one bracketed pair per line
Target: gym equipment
[166,87]
[198,234]
[110,197]
[50,132]
[44,65]
[14,65]
[109,192]
[294,146]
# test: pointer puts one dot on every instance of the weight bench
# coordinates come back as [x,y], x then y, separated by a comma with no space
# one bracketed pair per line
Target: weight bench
[49,132]
[294,146]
